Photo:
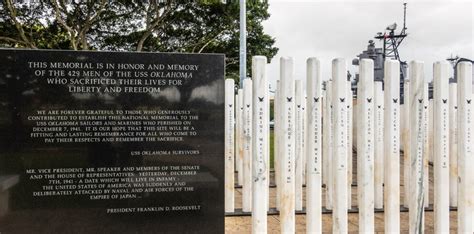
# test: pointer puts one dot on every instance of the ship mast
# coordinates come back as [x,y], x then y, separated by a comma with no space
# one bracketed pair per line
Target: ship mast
[391,40]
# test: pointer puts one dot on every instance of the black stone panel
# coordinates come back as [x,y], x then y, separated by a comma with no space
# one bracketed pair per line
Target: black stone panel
[111,142]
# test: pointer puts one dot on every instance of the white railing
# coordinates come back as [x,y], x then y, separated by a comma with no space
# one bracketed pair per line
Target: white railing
[313,147]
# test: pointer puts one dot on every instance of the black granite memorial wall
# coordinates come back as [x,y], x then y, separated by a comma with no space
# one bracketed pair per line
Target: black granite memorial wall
[111,142]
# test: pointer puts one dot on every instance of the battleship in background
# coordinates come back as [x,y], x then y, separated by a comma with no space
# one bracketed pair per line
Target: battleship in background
[391,42]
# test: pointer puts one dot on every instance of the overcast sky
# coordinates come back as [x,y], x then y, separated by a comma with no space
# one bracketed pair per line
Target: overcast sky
[336,29]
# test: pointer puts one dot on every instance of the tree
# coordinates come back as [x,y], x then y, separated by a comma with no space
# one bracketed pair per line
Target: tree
[121,25]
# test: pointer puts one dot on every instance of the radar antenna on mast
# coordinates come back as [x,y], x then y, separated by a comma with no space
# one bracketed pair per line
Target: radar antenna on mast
[454,62]
[391,43]
[391,40]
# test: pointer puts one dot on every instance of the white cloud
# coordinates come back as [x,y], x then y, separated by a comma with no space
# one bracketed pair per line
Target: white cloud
[208,92]
[328,30]
[171,94]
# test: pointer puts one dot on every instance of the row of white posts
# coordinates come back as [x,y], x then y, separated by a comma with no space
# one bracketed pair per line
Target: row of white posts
[313,145]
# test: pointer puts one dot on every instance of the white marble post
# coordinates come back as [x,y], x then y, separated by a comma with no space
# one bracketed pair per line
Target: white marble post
[327,146]
[276,139]
[465,149]
[417,137]
[260,144]
[441,146]
[313,146]
[280,139]
[378,145]
[402,126]
[304,140]
[268,146]
[340,103]
[354,125]
[453,145]
[431,129]
[239,135]
[287,194]
[323,156]
[365,146]
[247,140]
[324,169]
[426,147]
[350,108]
[392,146]
[229,145]
[299,145]
[406,143]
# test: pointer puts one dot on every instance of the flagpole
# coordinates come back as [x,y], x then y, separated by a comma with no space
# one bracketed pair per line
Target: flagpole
[243,43]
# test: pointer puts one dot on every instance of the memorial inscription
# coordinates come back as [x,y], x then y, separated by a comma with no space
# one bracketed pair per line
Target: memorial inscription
[112,142]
